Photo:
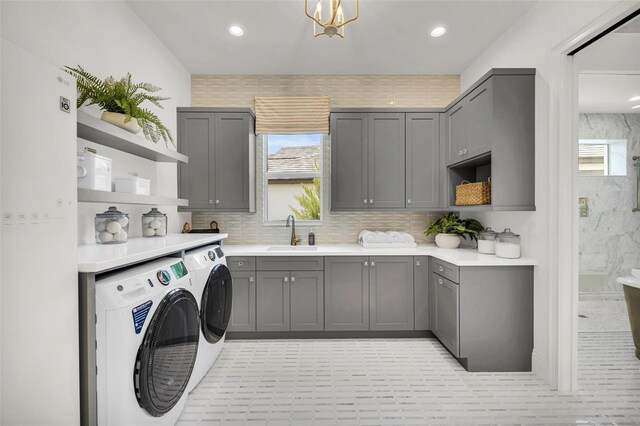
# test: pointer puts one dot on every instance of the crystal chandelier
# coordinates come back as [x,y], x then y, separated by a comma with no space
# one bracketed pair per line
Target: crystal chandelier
[328,22]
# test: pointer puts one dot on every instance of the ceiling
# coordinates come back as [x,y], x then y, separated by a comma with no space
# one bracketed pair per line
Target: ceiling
[389,37]
[608,93]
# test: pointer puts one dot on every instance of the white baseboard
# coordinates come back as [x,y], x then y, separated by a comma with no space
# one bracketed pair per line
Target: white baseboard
[540,367]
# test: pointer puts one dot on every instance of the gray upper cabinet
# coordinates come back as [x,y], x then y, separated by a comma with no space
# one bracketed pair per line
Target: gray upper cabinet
[456,135]
[423,169]
[220,174]
[391,292]
[478,115]
[307,300]
[349,161]
[386,160]
[195,131]
[421,299]
[346,297]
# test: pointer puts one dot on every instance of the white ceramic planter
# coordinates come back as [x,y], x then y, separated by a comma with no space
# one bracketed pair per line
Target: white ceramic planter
[447,241]
[118,119]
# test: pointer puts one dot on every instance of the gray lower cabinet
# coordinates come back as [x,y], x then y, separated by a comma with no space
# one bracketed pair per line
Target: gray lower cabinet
[273,298]
[391,293]
[307,300]
[421,300]
[220,145]
[243,308]
[446,315]
[346,293]
[423,167]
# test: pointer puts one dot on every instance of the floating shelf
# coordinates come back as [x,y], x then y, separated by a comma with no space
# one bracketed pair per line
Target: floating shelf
[95,130]
[93,196]
[489,208]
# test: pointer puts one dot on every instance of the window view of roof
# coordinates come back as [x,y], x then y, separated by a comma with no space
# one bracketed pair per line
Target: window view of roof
[295,159]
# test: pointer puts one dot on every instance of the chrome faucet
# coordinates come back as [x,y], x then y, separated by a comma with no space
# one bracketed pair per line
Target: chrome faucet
[291,222]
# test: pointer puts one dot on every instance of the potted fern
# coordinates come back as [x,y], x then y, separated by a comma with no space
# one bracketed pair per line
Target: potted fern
[120,101]
[450,230]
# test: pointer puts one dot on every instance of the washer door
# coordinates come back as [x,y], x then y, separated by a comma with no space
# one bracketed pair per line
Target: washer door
[215,309]
[168,352]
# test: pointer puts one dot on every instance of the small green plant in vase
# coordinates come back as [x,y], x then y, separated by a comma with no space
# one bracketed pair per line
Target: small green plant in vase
[450,230]
[120,101]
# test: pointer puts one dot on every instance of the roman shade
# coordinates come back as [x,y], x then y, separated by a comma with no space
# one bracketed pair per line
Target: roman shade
[292,115]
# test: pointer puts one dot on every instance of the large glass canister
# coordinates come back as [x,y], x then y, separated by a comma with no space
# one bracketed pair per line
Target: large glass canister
[487,241]
[154,224]
[112,227]
[508,245]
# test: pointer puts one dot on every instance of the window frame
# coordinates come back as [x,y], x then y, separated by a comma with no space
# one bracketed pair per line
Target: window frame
[607,143]
[280,175]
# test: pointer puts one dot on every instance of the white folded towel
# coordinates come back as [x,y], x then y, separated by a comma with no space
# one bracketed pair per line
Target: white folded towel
[401,237]
[389,237]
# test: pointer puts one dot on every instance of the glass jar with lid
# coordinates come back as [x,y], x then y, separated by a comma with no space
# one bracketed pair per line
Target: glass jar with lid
[487,241]
[508,244]
[112,227]
[154,224]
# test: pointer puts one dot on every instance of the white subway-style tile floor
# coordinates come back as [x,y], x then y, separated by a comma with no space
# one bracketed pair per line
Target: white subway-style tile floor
[406,382]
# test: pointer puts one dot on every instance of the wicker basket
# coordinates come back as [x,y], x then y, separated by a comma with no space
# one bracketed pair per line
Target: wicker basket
[473,194]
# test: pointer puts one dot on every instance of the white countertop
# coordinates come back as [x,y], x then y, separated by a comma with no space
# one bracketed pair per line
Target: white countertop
[459,257]
[104,257]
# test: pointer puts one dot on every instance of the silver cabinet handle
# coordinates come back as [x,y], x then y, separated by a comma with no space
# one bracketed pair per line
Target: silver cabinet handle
[373,264]
[440,281]
[251,279]
[293,279]
[366,263]
[286,279]
[217,201]
[365,201]
[370,200]
[240,263]
[210,201]
[409,201]
[460,152]
[418,263]
[464,151]
[441,268]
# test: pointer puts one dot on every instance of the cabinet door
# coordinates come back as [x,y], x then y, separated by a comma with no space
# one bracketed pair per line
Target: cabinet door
[391,292]
[272,307]
[231,171]
[307,300]
[196,134]
[421,293]
[446,326]
[346,293]
[349,161]
[386,160]
[479,118]
[422,160]
[243,308]
[456,133]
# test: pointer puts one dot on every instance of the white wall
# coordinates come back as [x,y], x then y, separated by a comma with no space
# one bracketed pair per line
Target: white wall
[106,38]
[529,43]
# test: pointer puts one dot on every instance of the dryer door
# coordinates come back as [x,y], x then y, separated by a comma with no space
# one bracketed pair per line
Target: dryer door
[215,307]
[168,353]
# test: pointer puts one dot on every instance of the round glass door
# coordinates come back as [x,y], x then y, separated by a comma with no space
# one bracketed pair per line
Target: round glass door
[168,352]
[215,309]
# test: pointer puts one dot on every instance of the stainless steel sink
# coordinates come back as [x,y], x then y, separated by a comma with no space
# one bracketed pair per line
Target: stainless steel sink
[292,248]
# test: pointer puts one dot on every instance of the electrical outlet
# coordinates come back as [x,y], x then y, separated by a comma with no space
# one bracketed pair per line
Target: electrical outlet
[583,206]
[35,217]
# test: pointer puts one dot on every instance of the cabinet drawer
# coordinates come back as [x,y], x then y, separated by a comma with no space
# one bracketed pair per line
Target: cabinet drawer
[445,269]
[241,263]
[298,263]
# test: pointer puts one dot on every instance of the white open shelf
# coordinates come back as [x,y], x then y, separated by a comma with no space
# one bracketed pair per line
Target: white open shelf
[93,196]
[95,130]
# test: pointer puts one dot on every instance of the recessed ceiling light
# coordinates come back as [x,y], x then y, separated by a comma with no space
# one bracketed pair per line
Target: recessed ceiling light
[635,106]
[634,99]
[438,31]
[236,30]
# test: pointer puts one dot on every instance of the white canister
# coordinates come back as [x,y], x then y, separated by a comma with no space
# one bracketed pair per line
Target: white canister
[508,245]
[487,241]
[133,185]
[94,171]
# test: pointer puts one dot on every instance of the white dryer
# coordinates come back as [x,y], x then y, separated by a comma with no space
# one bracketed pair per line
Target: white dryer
[147,332]
[213,289]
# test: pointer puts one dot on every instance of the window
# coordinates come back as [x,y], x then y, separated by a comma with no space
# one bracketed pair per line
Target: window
[602,157]
[293,177]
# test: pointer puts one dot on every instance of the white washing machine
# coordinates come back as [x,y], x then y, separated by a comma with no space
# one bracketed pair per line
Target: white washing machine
[147,332]
[213,289]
